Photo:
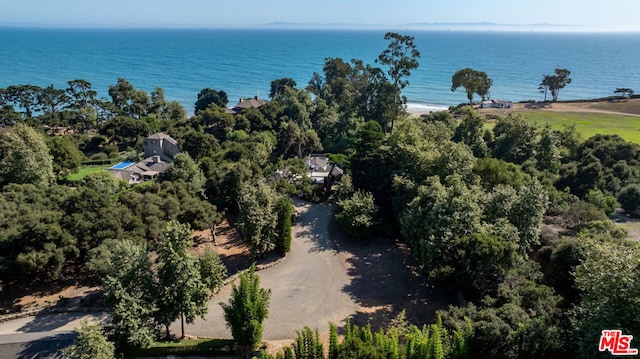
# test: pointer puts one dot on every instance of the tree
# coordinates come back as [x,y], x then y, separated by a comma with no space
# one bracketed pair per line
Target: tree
[131,292]
[182,292]
[247,308]
[470,131]
[608,282]
[66,156]
[605,202]
[472,81]
[212,271]
[516,140]
[81,92]
[284,208]
[125,129]
[128,101]
[278,86]
[209,96]
[547,151]
[357,214]
[25,157]
[51,100]
[24,96]
[554,83]
[401,56]
[90,344]
[624,92]
[437,216]
[258,217]
[629,199]
[479,263]
[299,141]
[186,169]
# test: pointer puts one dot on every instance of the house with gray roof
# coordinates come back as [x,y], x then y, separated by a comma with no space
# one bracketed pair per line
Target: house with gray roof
[159,152]
[244,104]
[321,171]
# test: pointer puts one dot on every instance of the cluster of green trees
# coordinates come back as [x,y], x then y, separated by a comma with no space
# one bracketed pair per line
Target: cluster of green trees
[78,106]
[144,296]
[471,202]
[478,82]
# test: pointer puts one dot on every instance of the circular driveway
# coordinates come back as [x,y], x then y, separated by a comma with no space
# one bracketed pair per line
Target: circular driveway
[307,287]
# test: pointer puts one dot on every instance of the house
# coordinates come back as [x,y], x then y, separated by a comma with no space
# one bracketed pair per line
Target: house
[162,145]
[244,104]
[321,171]
[159,152]
[497,103]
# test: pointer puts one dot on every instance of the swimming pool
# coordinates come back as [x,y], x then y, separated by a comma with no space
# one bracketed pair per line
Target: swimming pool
[122,165]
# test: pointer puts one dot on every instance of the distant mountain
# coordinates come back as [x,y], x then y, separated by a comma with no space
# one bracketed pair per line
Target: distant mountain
[466,26]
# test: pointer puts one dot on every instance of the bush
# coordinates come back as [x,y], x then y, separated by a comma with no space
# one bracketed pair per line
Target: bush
[606,203]
[357,215]
[284,209]
[629,199]
[100,156]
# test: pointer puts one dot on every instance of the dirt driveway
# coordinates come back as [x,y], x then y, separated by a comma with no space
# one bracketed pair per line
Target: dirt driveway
[329,277]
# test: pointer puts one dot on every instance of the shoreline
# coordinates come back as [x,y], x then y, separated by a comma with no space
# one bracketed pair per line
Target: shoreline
[610,105]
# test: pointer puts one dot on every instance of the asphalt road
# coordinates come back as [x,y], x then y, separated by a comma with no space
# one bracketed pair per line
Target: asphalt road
[42,335]
[306,290]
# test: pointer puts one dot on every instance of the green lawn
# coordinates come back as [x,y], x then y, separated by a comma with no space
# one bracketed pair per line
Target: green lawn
[85,171]
[589,124]
[187,347]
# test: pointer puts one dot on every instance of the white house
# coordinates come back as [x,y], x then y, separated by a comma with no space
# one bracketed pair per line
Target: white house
[497,103]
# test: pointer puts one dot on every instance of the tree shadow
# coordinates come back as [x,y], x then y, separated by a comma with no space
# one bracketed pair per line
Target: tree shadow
[48,347]
[313,223]
[45,322]
[385,280]
[537,105]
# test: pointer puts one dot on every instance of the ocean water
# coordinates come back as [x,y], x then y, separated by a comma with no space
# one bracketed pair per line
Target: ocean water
[244,62]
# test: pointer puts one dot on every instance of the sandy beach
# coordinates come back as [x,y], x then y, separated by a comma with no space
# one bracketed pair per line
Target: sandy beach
[630,107]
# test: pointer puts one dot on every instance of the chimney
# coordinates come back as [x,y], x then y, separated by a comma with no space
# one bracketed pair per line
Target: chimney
[156,159]
[241,100]
[255,97]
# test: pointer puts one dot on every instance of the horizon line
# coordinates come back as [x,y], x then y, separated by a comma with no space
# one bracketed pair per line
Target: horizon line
[281,25]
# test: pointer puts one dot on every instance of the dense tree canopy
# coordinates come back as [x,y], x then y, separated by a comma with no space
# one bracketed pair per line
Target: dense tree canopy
[25,157]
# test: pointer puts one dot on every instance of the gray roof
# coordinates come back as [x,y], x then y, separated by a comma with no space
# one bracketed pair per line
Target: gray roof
[161,136]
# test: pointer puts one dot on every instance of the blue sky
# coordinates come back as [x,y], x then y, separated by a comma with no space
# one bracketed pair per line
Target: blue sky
[584,14]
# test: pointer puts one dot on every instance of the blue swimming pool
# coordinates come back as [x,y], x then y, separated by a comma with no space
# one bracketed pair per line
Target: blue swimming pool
[122,165]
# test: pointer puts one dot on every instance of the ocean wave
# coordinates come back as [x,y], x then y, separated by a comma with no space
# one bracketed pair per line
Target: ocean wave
[414,107]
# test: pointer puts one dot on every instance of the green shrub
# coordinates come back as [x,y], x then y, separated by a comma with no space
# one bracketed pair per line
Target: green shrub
[605,202]
[284,209]
[100,156]
[629,199]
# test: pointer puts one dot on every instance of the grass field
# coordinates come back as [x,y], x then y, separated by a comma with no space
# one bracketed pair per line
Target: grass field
[589,124]
[85,171]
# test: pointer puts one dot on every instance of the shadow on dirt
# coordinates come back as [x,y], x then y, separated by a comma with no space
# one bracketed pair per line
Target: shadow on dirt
[386,279]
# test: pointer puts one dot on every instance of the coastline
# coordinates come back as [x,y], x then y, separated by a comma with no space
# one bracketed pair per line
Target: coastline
[417,109]
[612,105]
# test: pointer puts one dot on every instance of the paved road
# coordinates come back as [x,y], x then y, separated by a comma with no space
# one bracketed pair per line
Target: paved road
[41,336]
[306,290]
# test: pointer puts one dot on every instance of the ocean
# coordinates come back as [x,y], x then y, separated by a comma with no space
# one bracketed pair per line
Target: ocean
[244,62]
